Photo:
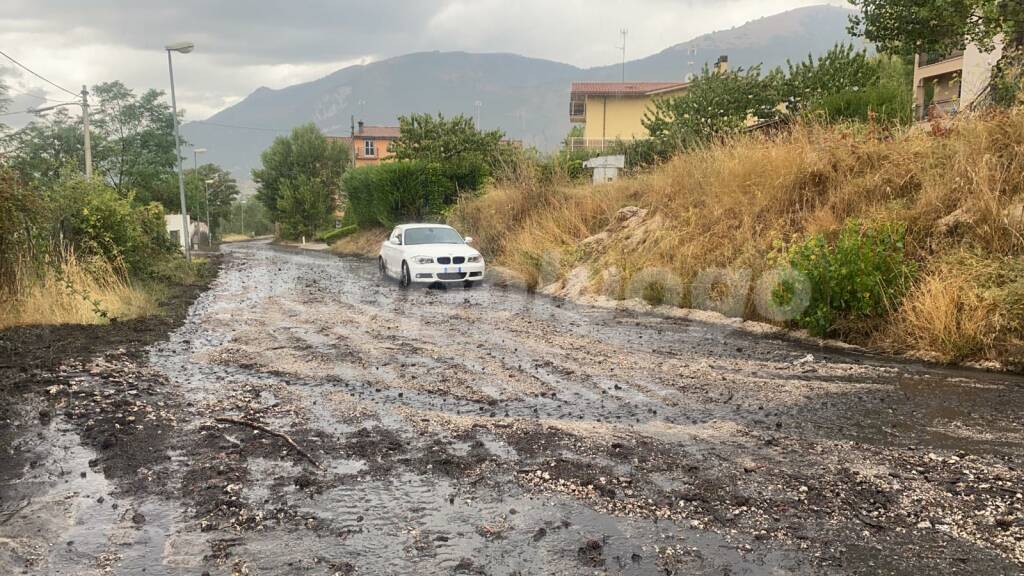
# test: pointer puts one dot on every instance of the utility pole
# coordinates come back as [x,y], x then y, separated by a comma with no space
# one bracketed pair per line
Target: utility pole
[479,105]
[624,32]
[85,127]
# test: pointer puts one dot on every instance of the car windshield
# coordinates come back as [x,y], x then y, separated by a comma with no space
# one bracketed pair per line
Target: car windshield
[438,235]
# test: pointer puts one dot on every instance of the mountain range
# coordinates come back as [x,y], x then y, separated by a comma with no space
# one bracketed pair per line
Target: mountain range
[526,97]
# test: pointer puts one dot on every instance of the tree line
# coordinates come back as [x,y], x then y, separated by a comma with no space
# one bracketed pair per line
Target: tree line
[308,185]
[48,208]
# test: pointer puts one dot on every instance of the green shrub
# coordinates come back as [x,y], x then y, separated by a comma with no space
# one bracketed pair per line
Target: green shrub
[891,105]
[332,236]
[24,231]
[393,192]
[861,274]
[97,221]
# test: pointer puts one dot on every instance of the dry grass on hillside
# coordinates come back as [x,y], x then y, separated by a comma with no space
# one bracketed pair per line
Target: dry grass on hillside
[959,189]
[86,287]
[364,243]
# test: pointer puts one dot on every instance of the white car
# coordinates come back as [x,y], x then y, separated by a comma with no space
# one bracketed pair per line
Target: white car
[430,254]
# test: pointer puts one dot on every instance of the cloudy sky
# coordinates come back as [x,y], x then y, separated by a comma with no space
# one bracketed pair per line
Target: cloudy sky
[245,44]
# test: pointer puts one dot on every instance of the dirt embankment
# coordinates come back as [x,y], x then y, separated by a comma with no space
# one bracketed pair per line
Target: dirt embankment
[728,212]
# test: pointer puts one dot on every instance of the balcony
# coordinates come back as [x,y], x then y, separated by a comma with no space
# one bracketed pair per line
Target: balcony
[576,144]
[932,65]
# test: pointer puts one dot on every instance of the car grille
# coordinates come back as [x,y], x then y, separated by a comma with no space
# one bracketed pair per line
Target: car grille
[451,275]
[449,260]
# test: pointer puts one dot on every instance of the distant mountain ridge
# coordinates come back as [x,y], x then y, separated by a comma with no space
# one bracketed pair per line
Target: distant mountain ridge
[525,97]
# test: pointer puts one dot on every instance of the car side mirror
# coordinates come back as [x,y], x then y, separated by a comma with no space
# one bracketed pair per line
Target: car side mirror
[469,239]
[397,240]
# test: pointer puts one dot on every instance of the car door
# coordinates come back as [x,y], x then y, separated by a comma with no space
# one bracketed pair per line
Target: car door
[392,252]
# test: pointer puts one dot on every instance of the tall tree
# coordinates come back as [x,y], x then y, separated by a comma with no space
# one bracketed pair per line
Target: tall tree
[135,147]
[841,68]
[41,152]
[296,168]
[909,26]
[438,139]
[716,103]
[940,26]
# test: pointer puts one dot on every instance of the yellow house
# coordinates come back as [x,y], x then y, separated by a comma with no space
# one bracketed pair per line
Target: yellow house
[611,111]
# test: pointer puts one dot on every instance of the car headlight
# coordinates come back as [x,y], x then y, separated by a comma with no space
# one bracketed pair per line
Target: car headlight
[423,260]
[475,259]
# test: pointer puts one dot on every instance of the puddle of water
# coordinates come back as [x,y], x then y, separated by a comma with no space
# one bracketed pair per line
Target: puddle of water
[411,524]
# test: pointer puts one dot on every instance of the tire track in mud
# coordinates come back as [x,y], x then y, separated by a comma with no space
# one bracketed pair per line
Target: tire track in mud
[493,432]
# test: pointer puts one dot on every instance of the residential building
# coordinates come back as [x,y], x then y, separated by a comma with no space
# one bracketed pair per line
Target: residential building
[948,83]
[611,111]
[370,144]
[198,231]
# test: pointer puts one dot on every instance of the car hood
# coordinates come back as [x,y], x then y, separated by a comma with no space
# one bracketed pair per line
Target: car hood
[435,250]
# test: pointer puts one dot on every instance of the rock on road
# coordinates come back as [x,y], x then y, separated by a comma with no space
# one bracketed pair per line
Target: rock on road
[490,431]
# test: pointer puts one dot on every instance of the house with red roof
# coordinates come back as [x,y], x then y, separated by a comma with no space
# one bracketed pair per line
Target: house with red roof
[612,111]
[370,144]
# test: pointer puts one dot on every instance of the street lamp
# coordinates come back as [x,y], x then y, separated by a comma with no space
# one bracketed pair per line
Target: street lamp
[209,225]
[182,48]
[195,158]
[195,170]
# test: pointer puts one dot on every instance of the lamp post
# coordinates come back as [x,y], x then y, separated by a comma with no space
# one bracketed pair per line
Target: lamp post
[182,48]
[195,171]
[209,225]
[479,105]
[195,158]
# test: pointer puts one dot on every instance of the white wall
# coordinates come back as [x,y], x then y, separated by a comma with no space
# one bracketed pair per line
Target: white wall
[977,71]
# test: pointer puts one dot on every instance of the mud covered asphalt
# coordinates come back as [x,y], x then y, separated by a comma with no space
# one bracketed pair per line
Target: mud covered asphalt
[310,418]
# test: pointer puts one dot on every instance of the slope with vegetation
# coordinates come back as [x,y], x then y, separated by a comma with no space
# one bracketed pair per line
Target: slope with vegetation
[77,250]
[910,240]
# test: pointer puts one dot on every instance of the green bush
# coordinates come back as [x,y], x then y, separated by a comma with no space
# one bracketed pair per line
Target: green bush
[393,192]
[892,105]
[332,236]
[861,274]
[97,221]
[24,231]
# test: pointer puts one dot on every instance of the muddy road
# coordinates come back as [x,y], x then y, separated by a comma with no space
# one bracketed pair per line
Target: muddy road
[311,418]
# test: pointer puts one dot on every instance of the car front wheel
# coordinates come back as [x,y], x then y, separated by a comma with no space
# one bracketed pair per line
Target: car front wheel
[383,269]
[406,279]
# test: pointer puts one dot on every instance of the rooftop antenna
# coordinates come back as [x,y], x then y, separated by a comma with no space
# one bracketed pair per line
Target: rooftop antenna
[624,32]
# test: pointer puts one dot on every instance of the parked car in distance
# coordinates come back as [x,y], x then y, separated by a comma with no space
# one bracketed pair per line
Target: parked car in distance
[430,254]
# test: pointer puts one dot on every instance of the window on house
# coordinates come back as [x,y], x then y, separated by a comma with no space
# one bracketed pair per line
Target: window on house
[369,148]
[577,108]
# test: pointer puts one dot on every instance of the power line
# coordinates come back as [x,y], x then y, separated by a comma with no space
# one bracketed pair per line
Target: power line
[32,72]
[31,95]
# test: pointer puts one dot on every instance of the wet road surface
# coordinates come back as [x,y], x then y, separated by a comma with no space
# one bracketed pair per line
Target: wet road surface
[489,431]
